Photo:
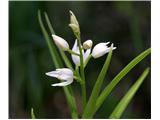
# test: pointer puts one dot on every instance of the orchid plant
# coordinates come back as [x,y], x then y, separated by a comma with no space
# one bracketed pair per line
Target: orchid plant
[81,54]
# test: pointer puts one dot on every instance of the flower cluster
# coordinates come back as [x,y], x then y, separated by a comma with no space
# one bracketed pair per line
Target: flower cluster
[98,50]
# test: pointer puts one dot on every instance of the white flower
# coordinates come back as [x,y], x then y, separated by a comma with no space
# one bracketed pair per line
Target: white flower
[101,49]
[64,74]
[76,58]
[87,44]
[60,42]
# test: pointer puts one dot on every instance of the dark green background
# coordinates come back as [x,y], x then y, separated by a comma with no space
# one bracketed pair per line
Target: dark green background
[126,24]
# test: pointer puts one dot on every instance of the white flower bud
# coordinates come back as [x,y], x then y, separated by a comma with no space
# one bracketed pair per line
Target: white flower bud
[87,44]
[64,74]
[73,19]
[74,27]
[60,42]
[101,49]
[74,24]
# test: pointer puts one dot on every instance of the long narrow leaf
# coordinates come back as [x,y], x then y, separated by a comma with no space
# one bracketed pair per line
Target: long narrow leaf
[118,111]
[58,63]
[64,57]
[71,102]
[95,92]
[49,23]
[118,77]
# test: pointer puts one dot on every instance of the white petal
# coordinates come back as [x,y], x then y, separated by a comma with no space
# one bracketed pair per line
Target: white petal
[75,58]
[52,74]
[64,77]
[86,54]
[75,46]
[102,44]
[65,71]
[114,48]
[63,83]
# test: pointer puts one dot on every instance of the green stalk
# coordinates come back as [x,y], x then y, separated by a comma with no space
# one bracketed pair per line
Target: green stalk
[118,111]
[89,110]
[83,89]
[58,63]
[76,30]
[83,84]
[77,74]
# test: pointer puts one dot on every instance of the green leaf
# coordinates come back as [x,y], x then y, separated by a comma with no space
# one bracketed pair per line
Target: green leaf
[32,114]
[56,59]
[119,76]
[58,63]
[71,101]
[97,87]
[49,23]
[119,109]
[64,57]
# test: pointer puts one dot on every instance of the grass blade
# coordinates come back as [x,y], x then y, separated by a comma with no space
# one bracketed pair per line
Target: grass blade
[118,111]
[97,87]
[56,59]
[58,63]
[32,114]
[120,75]
[64,57]
[71,102]
[49,23]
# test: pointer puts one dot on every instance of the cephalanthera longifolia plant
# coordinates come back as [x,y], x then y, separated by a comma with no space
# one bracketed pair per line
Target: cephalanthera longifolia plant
[81,54]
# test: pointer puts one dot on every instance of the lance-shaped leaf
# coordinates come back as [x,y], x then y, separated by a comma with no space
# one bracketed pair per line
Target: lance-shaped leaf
[58,63]
[119,76]
[97,87]
[122,105]
[64,57]
[56,59]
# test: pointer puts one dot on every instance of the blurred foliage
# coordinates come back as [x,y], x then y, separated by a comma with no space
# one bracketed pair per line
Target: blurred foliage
[127,24]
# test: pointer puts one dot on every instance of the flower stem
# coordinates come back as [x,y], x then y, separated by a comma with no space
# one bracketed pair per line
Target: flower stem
[77,78]
[83,84]
[83,88]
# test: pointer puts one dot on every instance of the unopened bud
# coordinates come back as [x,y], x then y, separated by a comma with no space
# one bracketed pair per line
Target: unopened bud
[74,24]
[60,42]
[87,44]
[73,19]
[74,27]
